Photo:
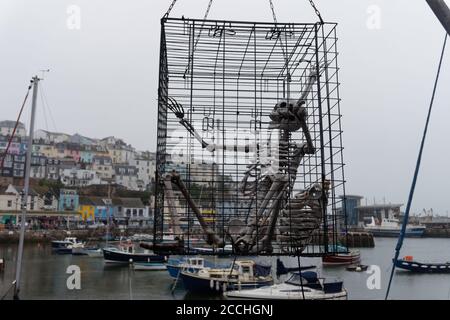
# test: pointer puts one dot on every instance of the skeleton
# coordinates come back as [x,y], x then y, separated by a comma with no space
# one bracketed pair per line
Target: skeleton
[295,218]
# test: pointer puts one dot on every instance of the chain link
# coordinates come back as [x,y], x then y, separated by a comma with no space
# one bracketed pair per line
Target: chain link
[316,10]
[207,10]
[170,8]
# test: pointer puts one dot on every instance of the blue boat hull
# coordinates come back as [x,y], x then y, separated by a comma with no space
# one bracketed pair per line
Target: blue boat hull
[197,285]
[173,270]
[412,233]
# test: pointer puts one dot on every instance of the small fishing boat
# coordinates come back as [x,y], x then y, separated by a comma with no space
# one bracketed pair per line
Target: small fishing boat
[67,245]
[357,267]
[342,256]
[241,275]
[149,266]
[300,285]
[191,264]
[408,263]
[125,253]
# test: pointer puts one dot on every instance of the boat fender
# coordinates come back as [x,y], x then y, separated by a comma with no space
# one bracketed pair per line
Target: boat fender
[217,285]
[224,287]
[130,261]
[211,284]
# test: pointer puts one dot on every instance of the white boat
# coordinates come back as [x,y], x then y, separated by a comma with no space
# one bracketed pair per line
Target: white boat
[93,252]
[390,227]
[67,245]
[311,288]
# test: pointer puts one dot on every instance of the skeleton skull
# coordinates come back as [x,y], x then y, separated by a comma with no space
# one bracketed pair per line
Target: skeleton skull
[287,115]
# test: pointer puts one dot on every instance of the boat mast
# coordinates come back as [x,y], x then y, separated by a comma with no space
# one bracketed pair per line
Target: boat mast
[35,82]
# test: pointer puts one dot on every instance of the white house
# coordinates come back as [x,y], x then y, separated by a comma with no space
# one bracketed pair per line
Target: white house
[51,137]
[145,169]
[75,177]
[7,128]
[126,176]
[10,199]
[103,166]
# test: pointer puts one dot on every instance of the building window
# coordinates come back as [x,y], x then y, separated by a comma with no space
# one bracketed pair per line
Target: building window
[134,212]
[141,212]
[9,203]
[128,212]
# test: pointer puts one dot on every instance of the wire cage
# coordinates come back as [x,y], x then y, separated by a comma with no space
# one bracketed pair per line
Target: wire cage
[249,145]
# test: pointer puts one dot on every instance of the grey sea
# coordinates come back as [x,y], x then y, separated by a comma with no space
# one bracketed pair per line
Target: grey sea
[44,274]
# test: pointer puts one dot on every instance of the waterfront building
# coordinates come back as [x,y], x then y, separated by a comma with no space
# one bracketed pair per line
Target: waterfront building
[133,210]
[81,140]
[145,166]
[38,167]
[378,211]
[103,166]
[51,137]
[350,204]
[76,177]
[87,209]
[12,195]
[42,147]
[7,128]
[68,200]
[126,175]
[119,151]
[15,146]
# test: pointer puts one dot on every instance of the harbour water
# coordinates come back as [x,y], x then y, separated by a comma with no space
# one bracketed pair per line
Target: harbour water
[45,277]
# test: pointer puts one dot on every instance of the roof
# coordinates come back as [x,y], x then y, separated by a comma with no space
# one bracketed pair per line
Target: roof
[11,124]
[31,191]
[380,206]
[132,202]
[354,196]
[92,201]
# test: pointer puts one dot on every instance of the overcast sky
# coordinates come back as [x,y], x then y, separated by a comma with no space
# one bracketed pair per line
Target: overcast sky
[103,78]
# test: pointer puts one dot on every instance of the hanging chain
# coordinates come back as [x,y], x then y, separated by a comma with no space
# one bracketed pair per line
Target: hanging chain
[273,11]
[207,9]
[170,9]
[198,36]
[316,10]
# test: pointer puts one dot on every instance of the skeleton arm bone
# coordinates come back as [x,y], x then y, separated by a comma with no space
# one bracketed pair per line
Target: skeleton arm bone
[178,110]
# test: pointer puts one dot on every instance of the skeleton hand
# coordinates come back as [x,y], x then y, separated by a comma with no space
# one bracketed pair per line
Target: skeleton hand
[176,108]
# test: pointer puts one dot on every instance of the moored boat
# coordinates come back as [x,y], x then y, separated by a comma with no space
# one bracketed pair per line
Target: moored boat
[308,287]
[125,253]
[67,245]
[241,275]
[409,264]
[392,227]
[341,256]
[192,264]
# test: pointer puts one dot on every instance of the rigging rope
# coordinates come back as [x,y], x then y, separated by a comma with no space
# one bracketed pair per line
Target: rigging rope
[416,173]
[15,127]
